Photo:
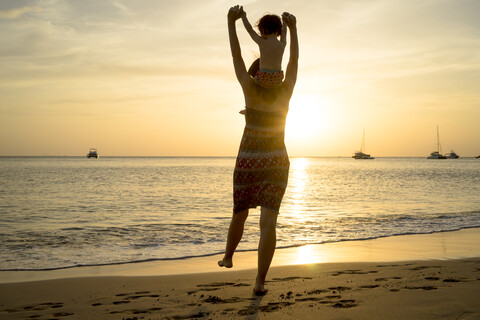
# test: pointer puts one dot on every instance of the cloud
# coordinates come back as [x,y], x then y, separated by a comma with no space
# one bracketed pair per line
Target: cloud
[17,12]
[143,57]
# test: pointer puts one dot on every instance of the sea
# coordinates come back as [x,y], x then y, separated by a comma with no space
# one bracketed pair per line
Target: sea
[62,212]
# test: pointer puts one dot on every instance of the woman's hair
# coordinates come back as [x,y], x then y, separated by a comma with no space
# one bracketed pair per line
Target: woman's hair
[268,95]
[270,24]
[254,68]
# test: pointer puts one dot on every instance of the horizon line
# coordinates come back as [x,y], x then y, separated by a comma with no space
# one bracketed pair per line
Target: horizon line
[200,156]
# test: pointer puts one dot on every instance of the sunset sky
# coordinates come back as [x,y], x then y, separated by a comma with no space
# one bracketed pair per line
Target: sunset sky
[155,78]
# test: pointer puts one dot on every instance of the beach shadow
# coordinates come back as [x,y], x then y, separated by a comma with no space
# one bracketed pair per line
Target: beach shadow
[251,312]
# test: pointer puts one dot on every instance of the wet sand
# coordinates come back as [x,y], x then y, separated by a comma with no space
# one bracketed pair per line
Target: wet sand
[393,289]
[447,289]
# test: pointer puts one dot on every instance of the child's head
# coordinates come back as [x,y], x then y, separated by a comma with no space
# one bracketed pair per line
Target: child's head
[270,24]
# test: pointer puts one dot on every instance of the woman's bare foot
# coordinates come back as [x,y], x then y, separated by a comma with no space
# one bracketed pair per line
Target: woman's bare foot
[227,263]
[259,289]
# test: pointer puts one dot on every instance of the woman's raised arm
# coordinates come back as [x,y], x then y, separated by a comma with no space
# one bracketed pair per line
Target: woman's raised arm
[292,67]
[234,14]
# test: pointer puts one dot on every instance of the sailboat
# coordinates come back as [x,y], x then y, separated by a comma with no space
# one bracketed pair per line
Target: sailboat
[360,154]
[437,154]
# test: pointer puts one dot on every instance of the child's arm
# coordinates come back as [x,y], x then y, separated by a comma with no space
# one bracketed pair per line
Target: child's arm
[251,32]
[283,35]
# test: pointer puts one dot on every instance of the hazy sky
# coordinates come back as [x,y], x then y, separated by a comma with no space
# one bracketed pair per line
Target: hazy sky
[156,78]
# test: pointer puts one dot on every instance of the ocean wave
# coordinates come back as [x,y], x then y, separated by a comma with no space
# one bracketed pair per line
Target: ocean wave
[113,263]
[147,209]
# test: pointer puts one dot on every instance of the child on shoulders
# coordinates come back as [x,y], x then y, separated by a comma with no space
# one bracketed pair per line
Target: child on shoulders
[271,48]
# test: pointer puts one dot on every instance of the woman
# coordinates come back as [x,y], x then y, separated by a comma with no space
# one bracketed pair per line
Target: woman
[261,169]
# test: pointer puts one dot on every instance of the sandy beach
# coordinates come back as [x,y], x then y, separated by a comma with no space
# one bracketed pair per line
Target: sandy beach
[442,287]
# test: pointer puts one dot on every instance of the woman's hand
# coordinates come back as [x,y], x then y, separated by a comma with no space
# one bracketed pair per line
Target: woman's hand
[235,13]
[289,19]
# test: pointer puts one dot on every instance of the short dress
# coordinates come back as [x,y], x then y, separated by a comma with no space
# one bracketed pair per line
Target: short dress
[261,169]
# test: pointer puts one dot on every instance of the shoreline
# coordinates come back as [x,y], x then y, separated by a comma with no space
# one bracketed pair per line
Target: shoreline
[438,289]
[448,245]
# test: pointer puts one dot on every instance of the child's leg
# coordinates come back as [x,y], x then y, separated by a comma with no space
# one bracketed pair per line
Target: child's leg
[269,79]
[235,233]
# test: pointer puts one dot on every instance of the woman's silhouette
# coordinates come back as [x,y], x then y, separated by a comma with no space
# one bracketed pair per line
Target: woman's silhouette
[261,170]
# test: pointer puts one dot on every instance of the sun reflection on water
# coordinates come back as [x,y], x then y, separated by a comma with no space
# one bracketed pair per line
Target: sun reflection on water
[298,181]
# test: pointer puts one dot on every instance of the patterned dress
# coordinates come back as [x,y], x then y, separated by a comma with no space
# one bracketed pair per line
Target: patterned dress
[261,170]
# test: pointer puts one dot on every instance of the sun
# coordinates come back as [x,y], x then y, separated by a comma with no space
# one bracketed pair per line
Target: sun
[308,119]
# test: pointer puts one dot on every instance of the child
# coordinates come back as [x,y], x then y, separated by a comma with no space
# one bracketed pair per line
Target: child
[271,27]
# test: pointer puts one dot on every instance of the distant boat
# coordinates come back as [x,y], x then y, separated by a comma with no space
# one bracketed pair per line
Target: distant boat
[92,153]
[360,154]
[437,154]
[452,155]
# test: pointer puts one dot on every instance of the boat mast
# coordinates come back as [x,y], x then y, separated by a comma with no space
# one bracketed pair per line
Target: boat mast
[362,147]
[439,146]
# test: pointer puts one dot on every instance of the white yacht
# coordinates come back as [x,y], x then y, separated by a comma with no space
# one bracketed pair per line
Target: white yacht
[452,155]
[92,153]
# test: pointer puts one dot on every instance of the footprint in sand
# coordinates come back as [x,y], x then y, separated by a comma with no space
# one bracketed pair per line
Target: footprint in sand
[339,289]
[351,272]
[126,294]
[309,299]
[289,295]
[345,304]
[37,307]
[290,278]
[192,316]
[386,279]
[317,291]
[217,286]
[62,314]
[422,288]
[371,286]
[452,280]
[424,267]
[143,296]
[45,306]
[215,300]
[130,296]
